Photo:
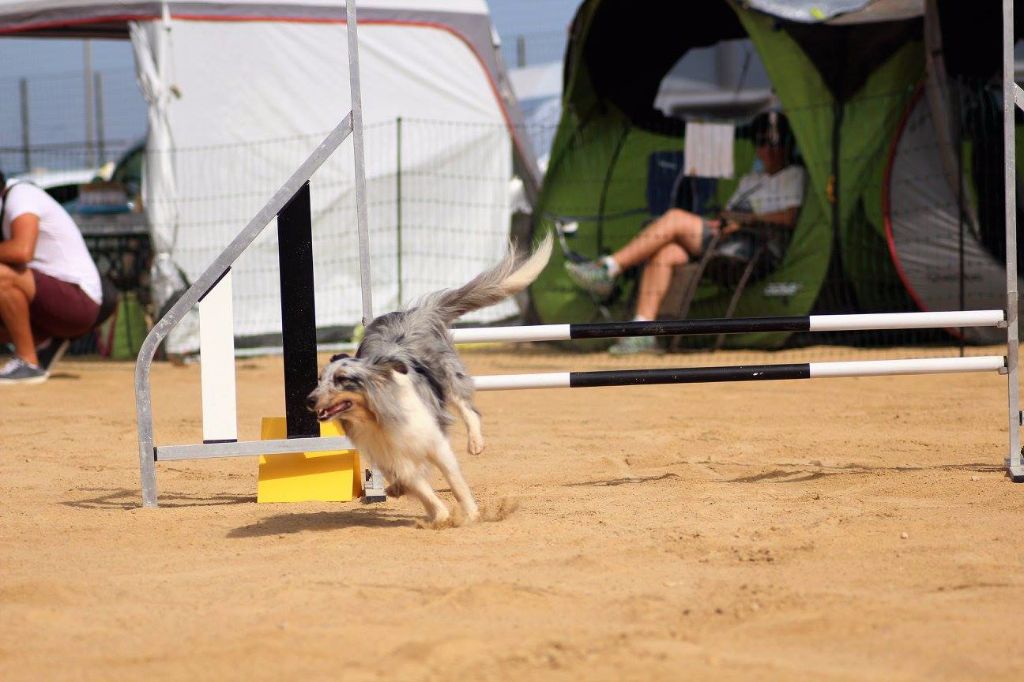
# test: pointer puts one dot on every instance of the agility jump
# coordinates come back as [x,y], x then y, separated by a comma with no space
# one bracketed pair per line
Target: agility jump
[293,197]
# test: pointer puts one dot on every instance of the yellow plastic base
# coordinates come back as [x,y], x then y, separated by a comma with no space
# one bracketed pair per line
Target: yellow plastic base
[307,476]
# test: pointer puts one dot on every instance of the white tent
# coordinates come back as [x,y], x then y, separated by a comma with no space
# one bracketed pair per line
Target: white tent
[240,91]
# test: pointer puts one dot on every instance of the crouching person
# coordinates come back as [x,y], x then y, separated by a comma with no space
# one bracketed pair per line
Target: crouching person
[49,287]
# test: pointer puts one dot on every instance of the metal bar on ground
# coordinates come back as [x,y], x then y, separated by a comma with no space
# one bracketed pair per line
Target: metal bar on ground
[742,325]
[281,446]
[1011,99]
[690,375]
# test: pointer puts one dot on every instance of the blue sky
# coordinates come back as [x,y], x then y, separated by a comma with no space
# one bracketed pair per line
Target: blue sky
[53,69]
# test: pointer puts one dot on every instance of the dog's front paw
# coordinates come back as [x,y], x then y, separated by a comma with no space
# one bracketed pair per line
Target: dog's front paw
[396,489]
[438,522]
[475,445]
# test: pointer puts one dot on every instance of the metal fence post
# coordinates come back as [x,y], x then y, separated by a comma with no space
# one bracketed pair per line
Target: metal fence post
[100,133]
[26,138]
[90,123]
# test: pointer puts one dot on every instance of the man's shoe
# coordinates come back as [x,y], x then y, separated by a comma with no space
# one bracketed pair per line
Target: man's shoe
[631,345]
[51,351]
[591,276]
[17,371]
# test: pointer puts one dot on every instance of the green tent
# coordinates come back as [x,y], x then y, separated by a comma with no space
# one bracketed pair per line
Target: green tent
[845,72]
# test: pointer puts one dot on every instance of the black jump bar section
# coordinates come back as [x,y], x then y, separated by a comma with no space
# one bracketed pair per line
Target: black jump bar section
[298,312]
[689,375]
[740,325]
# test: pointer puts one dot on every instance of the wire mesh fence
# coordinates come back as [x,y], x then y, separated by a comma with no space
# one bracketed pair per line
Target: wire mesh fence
[441,204]
[439,201]
[68,121]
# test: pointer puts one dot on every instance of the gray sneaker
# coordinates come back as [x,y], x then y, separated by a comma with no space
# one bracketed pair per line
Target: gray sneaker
[631,345]
[591,276]
[17,371]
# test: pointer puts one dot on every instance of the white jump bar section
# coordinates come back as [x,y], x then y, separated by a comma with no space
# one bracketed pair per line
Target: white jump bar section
[511,382]
[541,332]
[983,363]
[816,323]
[937,320]
[217,362]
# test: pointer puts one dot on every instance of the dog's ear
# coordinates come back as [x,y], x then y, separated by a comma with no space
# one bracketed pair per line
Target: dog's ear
[339,356]
[395,364]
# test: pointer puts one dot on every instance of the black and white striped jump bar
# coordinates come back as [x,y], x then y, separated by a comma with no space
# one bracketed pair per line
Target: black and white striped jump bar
[806,323]
[693,375]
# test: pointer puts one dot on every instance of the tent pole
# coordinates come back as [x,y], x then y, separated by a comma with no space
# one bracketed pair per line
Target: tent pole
[1012,97]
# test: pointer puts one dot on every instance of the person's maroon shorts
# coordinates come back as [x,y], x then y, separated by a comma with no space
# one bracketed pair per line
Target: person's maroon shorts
[60,308]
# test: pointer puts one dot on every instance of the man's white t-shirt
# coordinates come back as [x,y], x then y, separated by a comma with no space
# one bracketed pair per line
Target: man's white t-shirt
[759,192]
[60,249]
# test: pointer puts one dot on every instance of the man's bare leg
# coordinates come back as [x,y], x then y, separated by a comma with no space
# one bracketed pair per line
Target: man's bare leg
[674,226]
[656,277]
[17,289]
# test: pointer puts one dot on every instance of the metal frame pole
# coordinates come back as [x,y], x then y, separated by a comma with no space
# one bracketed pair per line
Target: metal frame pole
[373,487]
[1012,96]
[360,166]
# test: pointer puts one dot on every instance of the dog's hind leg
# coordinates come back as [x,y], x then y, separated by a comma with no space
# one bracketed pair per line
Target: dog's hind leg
[419,487]
[472,420]
[445,460]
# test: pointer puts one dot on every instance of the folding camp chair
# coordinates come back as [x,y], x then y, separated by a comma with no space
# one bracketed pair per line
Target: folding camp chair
[725,266]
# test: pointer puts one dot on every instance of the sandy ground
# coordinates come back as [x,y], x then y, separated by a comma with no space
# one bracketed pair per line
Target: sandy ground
[844,529]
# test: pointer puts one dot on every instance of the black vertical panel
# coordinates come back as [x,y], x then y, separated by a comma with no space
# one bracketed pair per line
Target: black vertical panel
[298,312]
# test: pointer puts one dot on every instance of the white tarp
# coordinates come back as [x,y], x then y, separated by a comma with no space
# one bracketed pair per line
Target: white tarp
[252,100]
[240,92]
[923,227]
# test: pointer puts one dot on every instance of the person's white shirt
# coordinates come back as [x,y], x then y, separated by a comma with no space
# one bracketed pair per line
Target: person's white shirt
[60,250]
[759,192]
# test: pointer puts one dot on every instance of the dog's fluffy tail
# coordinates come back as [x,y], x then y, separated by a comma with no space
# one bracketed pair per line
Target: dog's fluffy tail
[513,274]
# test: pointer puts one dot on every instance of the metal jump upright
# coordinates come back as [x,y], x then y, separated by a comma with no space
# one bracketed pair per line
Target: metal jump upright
[1013,97]
[290,204]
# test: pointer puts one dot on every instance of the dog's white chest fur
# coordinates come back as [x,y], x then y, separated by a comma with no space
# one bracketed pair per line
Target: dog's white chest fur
[401,448]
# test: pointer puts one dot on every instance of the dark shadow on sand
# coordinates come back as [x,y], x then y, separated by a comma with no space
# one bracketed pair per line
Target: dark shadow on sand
[629,480]
[284,524]
[123,498]
[803,474]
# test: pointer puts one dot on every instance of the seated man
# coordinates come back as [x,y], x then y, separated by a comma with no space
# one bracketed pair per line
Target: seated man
[49,285]
[770,196]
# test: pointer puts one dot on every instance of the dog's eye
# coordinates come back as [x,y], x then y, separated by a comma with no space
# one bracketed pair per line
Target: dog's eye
[346,383]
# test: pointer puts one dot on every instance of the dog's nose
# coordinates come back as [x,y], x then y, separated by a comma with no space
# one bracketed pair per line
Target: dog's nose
[311,402]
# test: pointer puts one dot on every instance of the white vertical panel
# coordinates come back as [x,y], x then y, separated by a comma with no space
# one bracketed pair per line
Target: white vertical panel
[217,359]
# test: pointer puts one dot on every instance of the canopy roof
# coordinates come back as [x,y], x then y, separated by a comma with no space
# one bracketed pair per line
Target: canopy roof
[839,11]
[109,18]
